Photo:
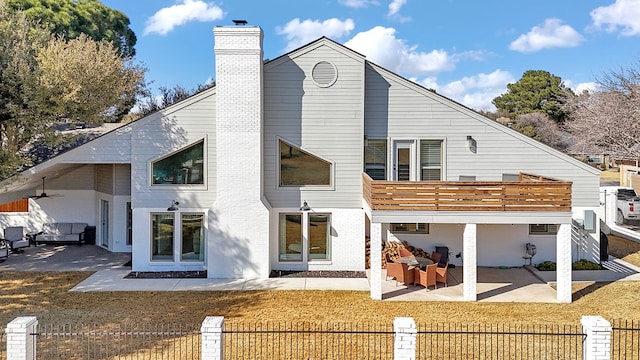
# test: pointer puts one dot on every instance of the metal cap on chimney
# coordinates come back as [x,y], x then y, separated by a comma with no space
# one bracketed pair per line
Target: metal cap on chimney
[240,22]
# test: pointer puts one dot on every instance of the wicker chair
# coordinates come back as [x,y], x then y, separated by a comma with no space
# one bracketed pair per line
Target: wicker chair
[403,273]
[435,256]
[441,274]
[426,278]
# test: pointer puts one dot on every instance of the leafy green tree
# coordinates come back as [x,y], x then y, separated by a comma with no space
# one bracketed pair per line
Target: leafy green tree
[47,81]
[18,125]
[537,91]
[70,18]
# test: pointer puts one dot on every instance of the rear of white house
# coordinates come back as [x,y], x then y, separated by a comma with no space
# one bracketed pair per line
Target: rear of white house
[292,163]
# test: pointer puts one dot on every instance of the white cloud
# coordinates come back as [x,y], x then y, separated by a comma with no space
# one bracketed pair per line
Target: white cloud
[624,14]
[394,10]
[551,34]
[299,33]
[476,91]
[381,46]
[357,3]
[580,87]
[166,19]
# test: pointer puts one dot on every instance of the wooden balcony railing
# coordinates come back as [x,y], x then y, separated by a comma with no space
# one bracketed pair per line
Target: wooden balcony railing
[531,193]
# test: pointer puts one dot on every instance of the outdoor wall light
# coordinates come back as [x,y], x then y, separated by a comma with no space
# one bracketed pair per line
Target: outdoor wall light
[174,206]
[472,144]
[305,207]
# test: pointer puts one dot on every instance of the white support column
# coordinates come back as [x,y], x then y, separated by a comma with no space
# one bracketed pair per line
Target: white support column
[212,338]
[597,344]
[375,261]
[470,265]
[563,263]
[404,345]
[21,345]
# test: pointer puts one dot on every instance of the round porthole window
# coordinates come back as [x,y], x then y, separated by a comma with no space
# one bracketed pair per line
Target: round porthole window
[324,74]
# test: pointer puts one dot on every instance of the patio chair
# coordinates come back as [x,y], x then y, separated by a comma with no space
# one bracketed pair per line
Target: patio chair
[4,250]
[404,252]
[426,277]
[441,274]
[435,256]
[403,273]
[16,237]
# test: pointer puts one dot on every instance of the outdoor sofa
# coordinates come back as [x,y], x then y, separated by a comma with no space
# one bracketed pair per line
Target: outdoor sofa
[62,232]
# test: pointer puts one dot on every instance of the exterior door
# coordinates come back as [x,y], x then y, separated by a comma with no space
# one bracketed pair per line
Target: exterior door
[402,160]
[104,223]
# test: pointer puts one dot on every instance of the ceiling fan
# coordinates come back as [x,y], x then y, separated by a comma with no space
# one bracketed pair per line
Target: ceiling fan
[42,194]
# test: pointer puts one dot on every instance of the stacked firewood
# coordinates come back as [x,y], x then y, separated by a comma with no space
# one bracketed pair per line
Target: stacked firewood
[367,252]
[393,249]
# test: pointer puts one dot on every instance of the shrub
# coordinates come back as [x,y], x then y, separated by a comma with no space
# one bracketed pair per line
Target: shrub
[546,266]
[584,264]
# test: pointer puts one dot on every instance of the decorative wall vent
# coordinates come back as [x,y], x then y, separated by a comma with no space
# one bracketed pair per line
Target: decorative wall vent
[324,74]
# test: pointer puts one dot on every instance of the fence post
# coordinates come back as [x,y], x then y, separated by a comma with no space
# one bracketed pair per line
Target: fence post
[597,345]
[212,338]
[21,345]
[404,344]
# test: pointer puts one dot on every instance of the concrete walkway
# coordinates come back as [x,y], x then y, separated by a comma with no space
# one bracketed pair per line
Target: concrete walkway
[494,284]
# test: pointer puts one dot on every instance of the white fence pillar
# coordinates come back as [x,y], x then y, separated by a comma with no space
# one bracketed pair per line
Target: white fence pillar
[404,344]
[597,345]
[21,345]
[212,338]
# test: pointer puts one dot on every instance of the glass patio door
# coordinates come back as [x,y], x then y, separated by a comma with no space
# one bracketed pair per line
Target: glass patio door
[402,159]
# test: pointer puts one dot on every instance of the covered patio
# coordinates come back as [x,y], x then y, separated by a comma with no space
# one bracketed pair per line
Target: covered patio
[493,285]
[473,206]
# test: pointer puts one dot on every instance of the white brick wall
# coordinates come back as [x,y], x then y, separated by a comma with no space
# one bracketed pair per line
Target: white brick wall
[238,245]
[347,240]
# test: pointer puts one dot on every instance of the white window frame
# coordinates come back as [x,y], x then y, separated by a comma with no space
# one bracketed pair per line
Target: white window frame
[394,228]
[177,237]
[550,229]
[332,167]
[305,246]
[190,186]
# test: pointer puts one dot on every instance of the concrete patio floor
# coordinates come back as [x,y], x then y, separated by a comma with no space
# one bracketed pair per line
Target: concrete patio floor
[494,285]
[521,284]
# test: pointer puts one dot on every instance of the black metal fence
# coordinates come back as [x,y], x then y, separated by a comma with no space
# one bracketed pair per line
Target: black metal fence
[310,340]
[625,339]
[307,340]
[139,341]
[479,341]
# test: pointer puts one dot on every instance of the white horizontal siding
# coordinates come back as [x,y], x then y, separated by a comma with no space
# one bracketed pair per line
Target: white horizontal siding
[416,113]
[325,121]
[168,131]
[113,147]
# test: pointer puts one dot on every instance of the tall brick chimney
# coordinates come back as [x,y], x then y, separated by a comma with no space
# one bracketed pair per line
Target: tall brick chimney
[240,216]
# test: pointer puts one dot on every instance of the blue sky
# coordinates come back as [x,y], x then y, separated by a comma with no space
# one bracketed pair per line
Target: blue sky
[467,50]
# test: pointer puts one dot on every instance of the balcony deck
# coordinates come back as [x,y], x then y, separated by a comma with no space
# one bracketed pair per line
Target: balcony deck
[531,193]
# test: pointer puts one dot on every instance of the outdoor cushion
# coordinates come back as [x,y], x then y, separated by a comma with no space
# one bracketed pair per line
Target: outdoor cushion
[64,228]
[62,232]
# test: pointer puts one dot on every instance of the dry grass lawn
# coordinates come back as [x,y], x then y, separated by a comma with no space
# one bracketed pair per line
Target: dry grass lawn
[610,175]
[46,296]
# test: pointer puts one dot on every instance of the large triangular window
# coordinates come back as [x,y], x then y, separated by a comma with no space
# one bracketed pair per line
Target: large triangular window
[185,166]
[299,168]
